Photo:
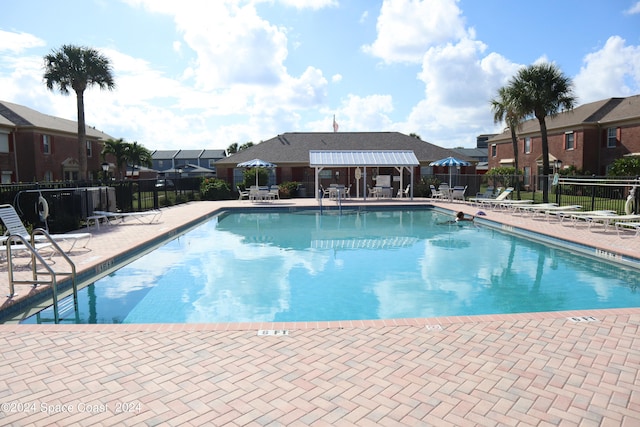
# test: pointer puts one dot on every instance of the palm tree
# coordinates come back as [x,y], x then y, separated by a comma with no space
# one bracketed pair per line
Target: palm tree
[504,110]
[118,149]
[137,155]
[542,90]
[77,68]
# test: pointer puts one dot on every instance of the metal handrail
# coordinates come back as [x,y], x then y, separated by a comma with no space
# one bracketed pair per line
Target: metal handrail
[36,259]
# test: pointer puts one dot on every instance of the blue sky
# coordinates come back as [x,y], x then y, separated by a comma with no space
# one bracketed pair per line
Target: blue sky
[204,74]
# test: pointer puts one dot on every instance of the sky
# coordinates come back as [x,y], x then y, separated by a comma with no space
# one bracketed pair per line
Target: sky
[203,74]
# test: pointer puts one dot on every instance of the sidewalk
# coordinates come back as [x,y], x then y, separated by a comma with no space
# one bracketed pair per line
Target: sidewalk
[578,368]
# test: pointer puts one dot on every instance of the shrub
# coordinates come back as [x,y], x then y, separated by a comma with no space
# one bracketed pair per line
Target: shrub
[288,189]
[214,189]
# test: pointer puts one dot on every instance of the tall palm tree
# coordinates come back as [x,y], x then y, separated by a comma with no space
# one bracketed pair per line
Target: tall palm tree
[118,149]
[77,68]
[138,155]
[504,109]
[542,90]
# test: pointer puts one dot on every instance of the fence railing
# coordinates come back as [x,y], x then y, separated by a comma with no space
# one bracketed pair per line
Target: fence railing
[592,193]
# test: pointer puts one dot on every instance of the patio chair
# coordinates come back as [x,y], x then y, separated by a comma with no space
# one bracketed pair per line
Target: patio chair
[435,194]
[404,193]
[14,226]
[242,194]
[274,192]
[458,192]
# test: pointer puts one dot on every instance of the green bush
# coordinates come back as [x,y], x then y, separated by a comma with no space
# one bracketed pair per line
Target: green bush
[214,189]
[288,189]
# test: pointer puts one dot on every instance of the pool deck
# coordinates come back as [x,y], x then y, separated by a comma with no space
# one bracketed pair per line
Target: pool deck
[558,368]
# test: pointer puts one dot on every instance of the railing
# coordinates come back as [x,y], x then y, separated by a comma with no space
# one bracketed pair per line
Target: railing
[38,260]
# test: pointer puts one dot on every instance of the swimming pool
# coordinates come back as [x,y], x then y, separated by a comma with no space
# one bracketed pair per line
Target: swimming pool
[303,266]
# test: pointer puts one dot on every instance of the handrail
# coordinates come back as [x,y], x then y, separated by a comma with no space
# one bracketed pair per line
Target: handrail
[35,259]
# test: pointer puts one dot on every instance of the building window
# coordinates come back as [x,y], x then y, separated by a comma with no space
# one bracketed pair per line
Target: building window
[4,142]
[527,145]
[494,150]
[569,141]
[612,137]
[212,163]
[46,144]
[89,149]
[48,176]
[526,176]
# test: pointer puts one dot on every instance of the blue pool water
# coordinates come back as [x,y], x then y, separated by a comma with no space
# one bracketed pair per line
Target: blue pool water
[274,266]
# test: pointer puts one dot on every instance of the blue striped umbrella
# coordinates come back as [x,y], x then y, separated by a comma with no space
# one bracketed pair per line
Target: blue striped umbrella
[256,163]
[450,162]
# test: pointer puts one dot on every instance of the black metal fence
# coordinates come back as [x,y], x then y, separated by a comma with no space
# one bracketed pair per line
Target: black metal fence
[590,192]
[70,203]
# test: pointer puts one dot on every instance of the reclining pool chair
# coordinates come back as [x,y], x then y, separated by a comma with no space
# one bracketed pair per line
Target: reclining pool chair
[14,226]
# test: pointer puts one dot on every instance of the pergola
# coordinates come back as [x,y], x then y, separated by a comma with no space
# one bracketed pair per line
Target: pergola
[399,159]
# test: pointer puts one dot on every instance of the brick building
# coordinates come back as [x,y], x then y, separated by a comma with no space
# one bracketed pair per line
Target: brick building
[590,138]
[39,147]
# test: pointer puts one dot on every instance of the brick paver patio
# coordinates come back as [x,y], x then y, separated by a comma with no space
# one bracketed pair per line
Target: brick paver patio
[578,368]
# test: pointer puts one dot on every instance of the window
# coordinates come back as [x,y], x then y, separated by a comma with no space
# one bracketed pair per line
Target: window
[4,142]
[494,150]
[212,163]
[48,176]
[569,141]
[46,144]
[88,148]
[527,145]
[527,176]
[612,137]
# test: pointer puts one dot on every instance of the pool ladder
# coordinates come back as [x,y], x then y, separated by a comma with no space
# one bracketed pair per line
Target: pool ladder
[39,267]
[338,200]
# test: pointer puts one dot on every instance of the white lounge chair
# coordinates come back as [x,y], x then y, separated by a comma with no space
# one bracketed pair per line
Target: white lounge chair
[489,194]
[620,226]
[14,226]
[144,217]
[607,220]
[562,214]
[496,201]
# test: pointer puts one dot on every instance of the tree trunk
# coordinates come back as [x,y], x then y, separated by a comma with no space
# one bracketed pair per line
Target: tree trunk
[545,160]
[514,141]
[82,137]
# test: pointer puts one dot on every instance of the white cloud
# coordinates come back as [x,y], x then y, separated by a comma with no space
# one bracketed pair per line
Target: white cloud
[459,82]
[633,9]
[18,42]
[310,4]
[406,28]
[614,70]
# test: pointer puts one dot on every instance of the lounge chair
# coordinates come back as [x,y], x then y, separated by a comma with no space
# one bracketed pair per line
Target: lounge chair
[144,217]
[620,226]
[607,220]
[489,194]
[14,226]
[563,214]
[499,199]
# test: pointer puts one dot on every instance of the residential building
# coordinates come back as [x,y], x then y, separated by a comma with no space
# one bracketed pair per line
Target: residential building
[290,152]
[589,138]
[40,147]
[189,162]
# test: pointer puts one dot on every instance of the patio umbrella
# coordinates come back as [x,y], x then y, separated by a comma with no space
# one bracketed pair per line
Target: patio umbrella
[256,163]
[450,162]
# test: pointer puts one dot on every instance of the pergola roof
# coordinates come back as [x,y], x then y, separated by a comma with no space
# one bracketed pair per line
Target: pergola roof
[372,158]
